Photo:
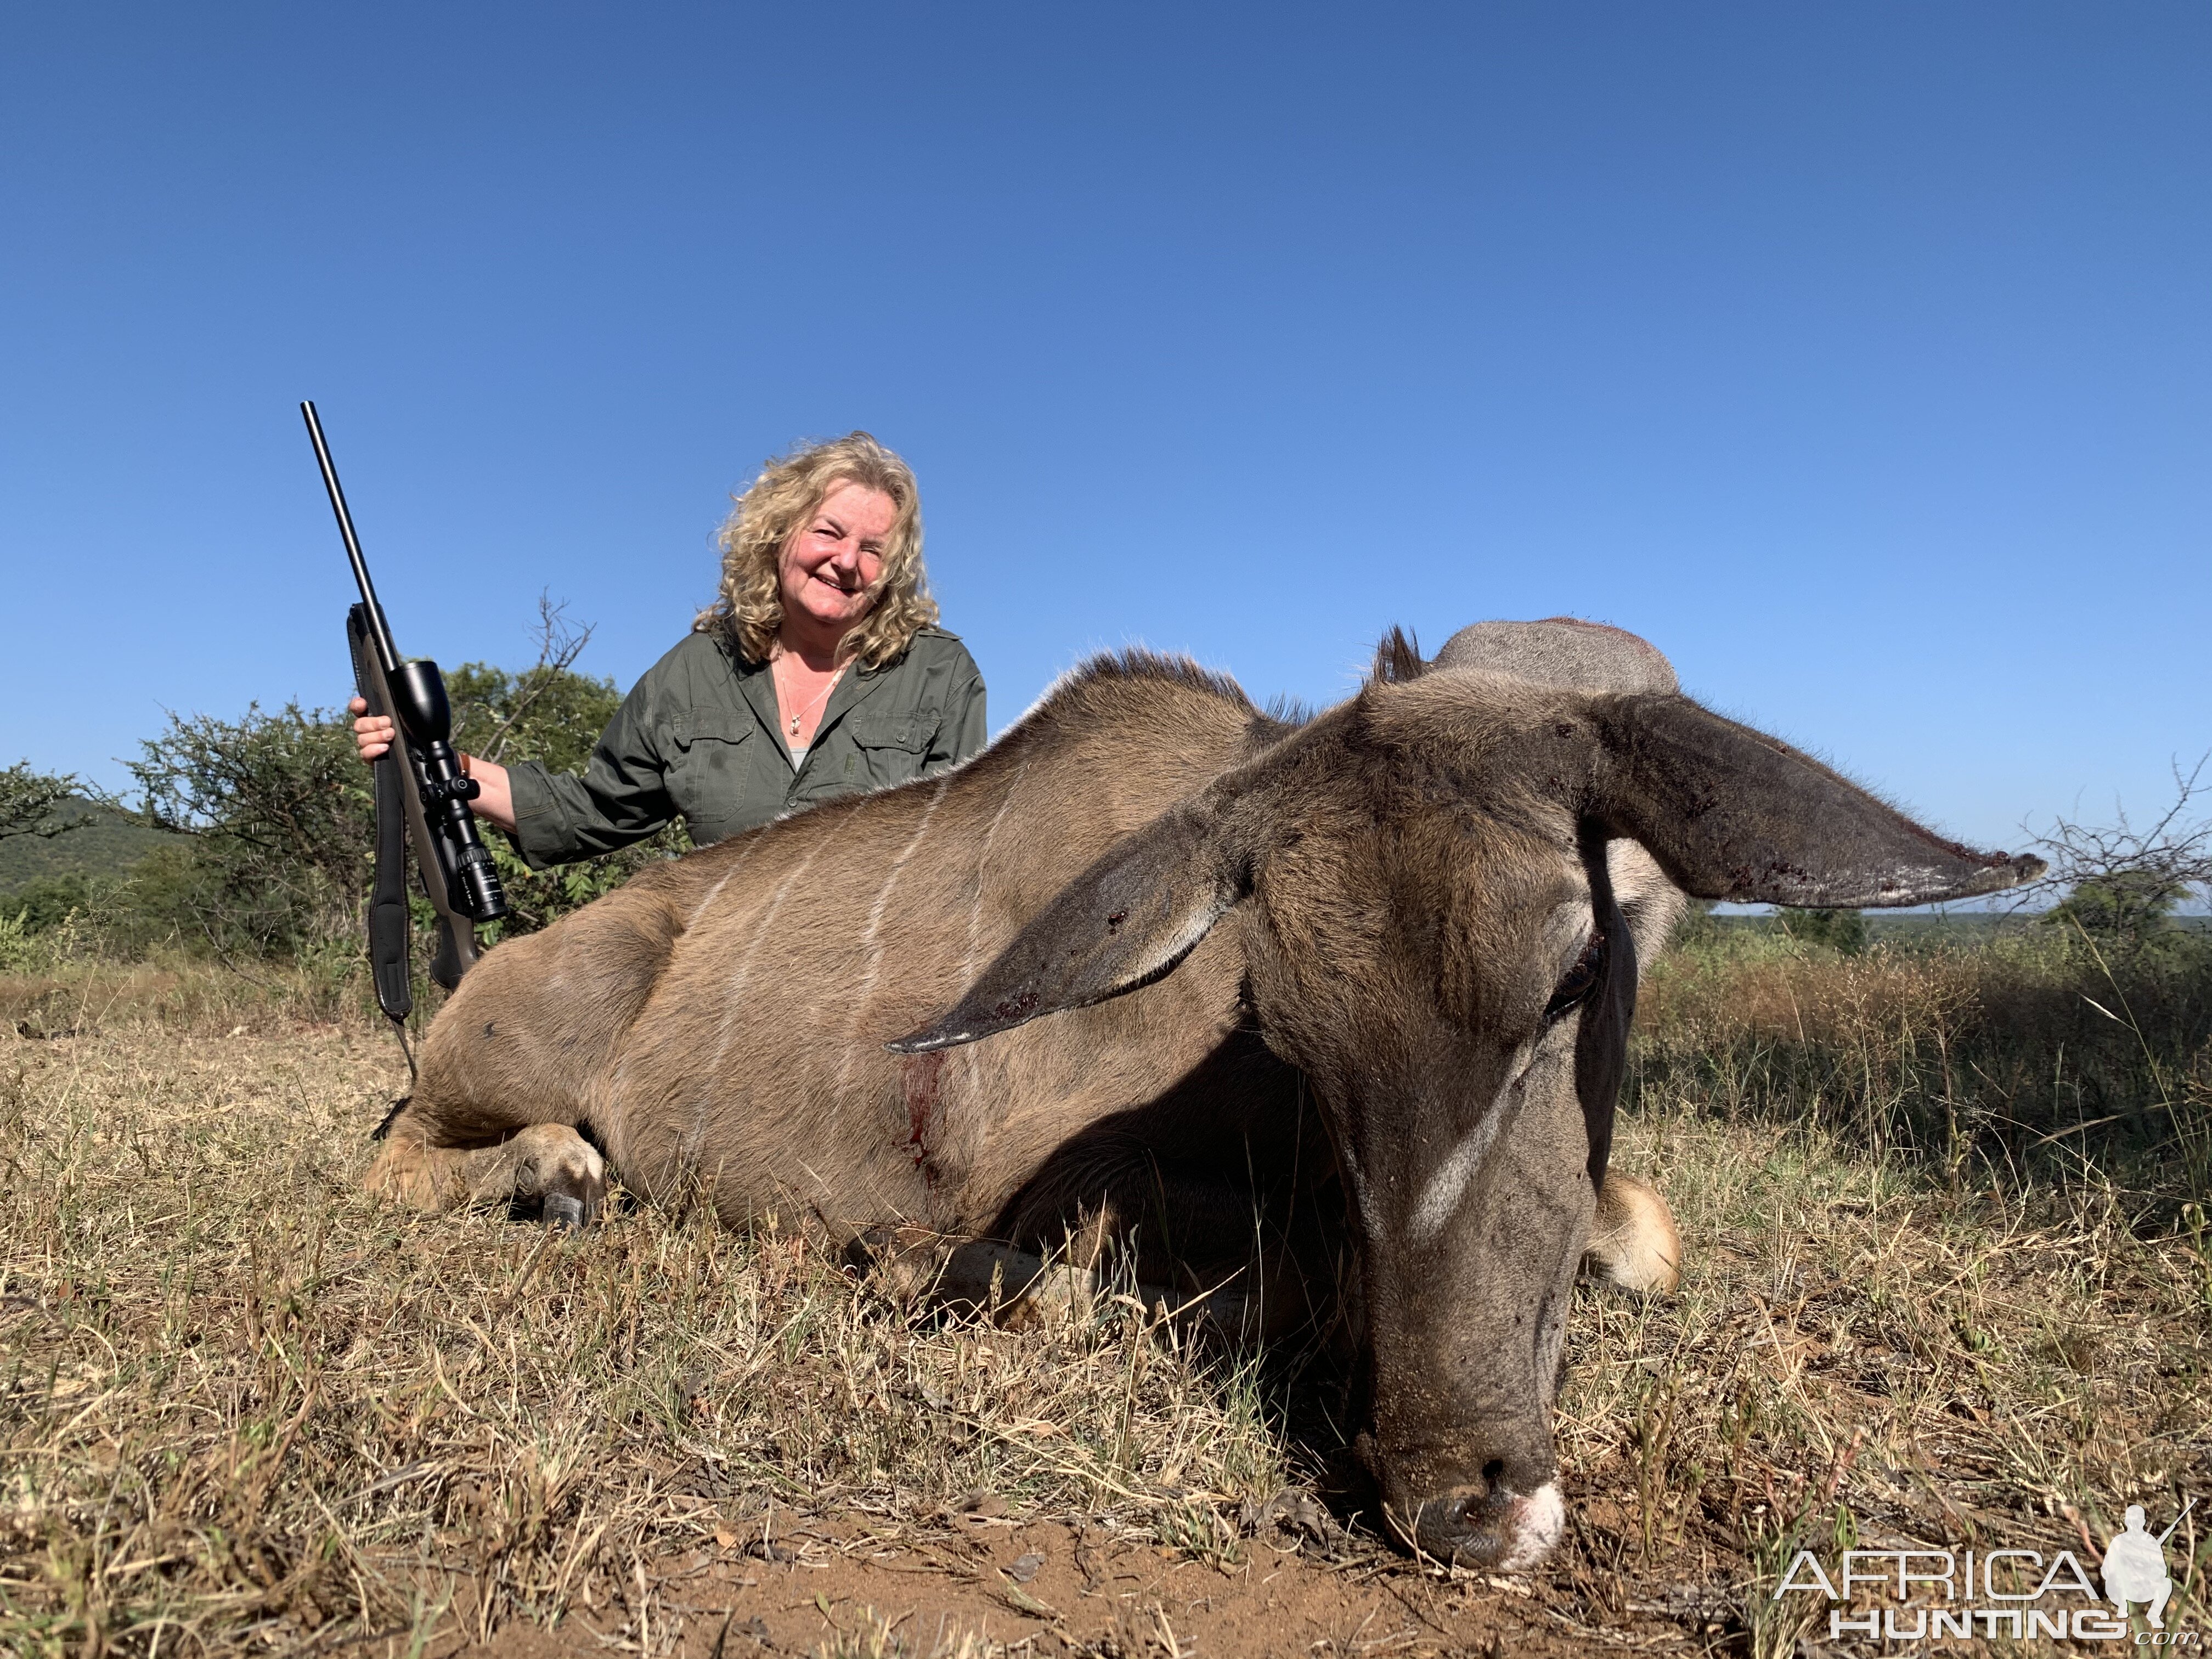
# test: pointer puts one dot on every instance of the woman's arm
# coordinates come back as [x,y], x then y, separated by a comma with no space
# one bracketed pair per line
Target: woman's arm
[964,730]
[622,796]
[620,799]
[495,801]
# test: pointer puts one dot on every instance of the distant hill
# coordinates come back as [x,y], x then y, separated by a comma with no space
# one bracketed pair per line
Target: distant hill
[103,844]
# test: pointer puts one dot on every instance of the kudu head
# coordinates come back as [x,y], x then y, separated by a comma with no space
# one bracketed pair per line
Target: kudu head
[1419,881]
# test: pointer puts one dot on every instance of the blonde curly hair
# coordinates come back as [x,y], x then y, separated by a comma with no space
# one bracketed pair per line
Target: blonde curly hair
[776,507]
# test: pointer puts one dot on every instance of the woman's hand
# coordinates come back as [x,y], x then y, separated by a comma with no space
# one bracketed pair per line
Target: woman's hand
[372,735]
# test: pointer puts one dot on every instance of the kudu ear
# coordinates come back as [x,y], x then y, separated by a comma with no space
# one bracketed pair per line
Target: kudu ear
[1730,813]
[1124,922]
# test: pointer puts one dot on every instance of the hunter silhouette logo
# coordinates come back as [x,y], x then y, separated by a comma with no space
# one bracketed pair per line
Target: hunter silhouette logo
[2134,1565]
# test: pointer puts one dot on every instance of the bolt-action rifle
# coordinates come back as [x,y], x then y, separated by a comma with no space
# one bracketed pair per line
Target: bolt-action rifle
[422,796]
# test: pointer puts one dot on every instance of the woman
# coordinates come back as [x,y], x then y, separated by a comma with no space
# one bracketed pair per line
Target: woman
[819,672]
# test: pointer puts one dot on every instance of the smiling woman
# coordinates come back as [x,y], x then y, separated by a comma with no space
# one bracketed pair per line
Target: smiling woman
[819,672]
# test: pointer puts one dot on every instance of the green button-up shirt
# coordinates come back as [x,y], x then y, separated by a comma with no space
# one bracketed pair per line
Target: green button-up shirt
[700,735]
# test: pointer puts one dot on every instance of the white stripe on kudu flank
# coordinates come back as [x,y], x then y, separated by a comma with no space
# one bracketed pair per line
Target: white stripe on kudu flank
[875,949]
[744,856]
[892,875]
[733,995]
[620,1075]
[768,919]
[982,864]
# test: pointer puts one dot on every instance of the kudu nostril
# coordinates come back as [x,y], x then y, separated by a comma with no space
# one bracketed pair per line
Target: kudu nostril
[1491,1523]
[1479,1505]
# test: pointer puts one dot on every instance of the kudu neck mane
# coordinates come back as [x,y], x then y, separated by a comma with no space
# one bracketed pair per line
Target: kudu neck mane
[1116,685]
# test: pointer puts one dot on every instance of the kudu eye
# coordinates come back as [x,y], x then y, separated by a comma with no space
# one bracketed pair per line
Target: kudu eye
[1580,980]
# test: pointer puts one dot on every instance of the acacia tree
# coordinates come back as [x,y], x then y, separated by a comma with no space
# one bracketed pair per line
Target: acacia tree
[28,798]
[2116,885]
[278,815]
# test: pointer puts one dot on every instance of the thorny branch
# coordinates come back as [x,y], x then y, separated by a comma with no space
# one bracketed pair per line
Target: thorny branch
[2173,853]
[28,800]
[560,642]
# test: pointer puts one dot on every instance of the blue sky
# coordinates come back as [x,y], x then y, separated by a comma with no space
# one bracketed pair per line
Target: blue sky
[1858,356]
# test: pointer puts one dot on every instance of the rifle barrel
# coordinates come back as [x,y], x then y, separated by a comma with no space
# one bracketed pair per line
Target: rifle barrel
[2178,1519]
[379,635]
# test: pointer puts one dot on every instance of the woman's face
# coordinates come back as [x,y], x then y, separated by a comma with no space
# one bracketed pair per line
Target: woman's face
[831,564]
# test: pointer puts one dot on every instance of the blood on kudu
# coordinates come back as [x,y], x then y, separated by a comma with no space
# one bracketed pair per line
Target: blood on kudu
[921,1076]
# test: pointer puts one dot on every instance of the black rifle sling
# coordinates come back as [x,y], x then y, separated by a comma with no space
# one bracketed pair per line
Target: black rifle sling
[389,924]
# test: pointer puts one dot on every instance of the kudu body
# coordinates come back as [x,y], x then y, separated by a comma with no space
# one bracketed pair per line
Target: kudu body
[1345,996]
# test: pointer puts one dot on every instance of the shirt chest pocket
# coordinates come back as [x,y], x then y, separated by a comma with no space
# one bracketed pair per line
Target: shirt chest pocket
[715,752]
[883,749]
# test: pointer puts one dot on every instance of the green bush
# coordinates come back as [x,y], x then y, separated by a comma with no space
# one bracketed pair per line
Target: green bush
[2124,914]
[42,905]
[546,713]
[277,812]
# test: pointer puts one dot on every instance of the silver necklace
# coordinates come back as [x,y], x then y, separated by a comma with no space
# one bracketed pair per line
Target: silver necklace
[821,697]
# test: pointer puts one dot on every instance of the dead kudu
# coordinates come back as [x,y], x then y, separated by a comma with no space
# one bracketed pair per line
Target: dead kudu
[1341,1002]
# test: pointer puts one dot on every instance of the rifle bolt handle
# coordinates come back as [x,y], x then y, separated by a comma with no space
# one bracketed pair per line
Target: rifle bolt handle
[440,791]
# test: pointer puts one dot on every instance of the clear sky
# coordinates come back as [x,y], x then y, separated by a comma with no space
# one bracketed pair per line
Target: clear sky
[1856,354]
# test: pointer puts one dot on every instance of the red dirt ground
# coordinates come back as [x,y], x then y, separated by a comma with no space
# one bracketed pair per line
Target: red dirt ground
[799,1591]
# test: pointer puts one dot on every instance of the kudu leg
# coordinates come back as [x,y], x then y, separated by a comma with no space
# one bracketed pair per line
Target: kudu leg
[545,1167]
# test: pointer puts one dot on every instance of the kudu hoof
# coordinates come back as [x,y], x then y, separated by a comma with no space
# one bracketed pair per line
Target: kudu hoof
[564,1211]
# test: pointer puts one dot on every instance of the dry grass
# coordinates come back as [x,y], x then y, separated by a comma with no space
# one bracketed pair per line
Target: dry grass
[2032,1062]
[1857,1360]
[246,1410]
[239,1394]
